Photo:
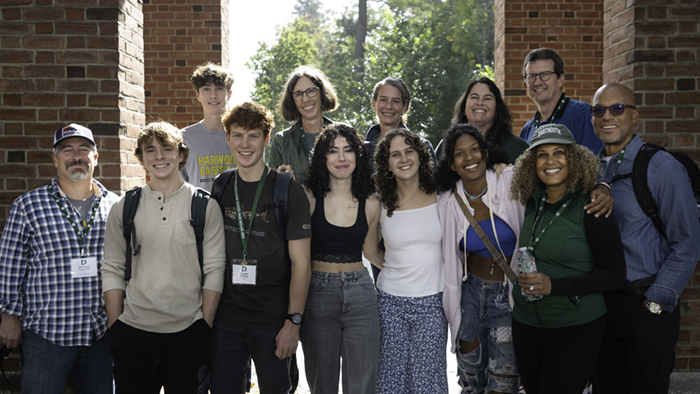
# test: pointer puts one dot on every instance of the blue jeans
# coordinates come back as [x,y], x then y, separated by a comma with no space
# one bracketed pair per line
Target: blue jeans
[486,314]
[232,349]
[341,320]
[46,367]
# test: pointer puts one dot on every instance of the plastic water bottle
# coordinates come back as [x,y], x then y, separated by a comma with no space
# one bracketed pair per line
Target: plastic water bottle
[526,264]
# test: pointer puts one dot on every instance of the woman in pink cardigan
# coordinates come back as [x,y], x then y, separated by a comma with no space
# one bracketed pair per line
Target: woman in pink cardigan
[476,298]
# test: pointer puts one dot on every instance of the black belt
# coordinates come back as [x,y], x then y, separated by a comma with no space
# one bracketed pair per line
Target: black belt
[638,287]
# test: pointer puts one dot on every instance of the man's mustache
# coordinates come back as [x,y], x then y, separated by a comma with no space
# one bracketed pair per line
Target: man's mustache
[76,162]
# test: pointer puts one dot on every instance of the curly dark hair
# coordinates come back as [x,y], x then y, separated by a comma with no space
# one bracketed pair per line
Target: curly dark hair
[502,127]
[329,98]
[583,171]
[387,184]
[318,178]
[249,116]
[445,177]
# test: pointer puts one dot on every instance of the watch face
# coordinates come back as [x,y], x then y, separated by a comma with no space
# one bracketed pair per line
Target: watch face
[653,307]
[295,318]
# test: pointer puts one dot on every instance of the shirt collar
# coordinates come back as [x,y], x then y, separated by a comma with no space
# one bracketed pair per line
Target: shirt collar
[96,187]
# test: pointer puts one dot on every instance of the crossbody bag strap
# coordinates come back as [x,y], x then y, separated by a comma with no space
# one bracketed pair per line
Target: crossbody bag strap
[497,256]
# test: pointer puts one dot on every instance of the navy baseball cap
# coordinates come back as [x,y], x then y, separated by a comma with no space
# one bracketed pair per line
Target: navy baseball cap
[72,130]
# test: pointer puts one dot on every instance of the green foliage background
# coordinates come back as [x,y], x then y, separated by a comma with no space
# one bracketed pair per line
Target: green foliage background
[435,46]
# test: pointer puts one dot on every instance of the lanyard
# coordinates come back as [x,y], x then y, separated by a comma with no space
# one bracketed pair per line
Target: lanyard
[538,117]
[239,213]
[620,156]
[534,240]
[81,232]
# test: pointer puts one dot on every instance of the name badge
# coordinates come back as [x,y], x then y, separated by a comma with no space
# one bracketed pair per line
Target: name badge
[83,267]
[243,272]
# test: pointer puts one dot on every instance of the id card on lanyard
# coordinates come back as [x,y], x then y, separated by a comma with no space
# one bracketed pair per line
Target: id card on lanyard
[83,266]
[244,271]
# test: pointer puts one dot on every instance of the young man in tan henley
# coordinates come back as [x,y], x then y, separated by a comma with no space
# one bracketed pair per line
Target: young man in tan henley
[160,334]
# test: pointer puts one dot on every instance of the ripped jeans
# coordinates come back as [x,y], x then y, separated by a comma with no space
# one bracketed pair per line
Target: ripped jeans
[486,314]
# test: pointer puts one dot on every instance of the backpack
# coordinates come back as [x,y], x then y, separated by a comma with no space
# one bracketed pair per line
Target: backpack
[280,199]
[198,212]
[641,188]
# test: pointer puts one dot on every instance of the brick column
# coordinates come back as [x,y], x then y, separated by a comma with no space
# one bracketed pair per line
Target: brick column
[573,29]
[60,64]
[180,37]
[653,49]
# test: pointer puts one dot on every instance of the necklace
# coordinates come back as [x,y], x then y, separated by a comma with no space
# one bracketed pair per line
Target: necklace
[477,196]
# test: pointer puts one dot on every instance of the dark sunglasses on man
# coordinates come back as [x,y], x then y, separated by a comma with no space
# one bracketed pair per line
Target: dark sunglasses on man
[598,111]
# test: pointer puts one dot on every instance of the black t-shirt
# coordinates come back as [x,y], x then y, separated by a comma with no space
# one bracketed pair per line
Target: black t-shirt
[263,305]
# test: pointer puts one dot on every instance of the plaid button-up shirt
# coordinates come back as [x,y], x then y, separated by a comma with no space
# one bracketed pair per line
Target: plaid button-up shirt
[36,249]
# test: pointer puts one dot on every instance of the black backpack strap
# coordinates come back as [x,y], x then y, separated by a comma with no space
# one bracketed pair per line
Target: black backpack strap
[131,204]
[641,187]
[281,199]
[198,215]
[217,188]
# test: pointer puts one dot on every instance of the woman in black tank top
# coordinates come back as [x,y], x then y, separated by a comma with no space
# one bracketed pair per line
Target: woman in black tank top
[341,318]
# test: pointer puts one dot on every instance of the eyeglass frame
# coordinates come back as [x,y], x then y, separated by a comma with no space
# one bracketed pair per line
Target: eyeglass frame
[534,76]
[302,92]
[610,108]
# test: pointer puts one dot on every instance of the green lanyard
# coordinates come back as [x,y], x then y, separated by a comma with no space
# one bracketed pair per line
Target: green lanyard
[239,213]
[620,156]
[81,232]
[538,117]
[534,240]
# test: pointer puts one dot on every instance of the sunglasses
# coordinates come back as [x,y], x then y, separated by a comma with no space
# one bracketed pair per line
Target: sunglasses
[598,111]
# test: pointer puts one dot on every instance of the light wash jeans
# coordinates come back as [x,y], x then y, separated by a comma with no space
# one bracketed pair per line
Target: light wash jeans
[341,320]
[486,313]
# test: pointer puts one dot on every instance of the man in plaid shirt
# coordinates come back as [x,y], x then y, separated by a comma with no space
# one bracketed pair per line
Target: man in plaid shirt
[50,289]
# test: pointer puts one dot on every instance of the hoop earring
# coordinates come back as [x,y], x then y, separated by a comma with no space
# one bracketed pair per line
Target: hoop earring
[391,175]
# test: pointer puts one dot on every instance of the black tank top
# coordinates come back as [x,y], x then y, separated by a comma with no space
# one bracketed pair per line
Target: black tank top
[335,244]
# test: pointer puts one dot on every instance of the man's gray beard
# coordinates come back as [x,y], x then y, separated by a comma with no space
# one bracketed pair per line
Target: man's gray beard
[77,175]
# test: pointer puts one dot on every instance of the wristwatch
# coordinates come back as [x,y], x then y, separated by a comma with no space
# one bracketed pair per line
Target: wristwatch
[653,307]
[294,318]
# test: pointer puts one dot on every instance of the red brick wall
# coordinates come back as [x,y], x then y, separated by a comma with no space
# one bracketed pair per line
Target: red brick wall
[653,48]
[572,28]
[63,62]
[180,37]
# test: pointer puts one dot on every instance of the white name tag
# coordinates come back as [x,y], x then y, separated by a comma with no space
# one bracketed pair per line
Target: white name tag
[243,272]
[83,267]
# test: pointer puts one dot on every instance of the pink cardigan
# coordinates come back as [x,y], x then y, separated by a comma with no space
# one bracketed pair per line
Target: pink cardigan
[453,223]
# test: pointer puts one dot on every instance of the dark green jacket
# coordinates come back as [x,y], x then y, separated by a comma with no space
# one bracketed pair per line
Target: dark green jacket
[287,147]
[562,252]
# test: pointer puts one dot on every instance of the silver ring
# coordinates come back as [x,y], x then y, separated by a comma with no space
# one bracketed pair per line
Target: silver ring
[532,287]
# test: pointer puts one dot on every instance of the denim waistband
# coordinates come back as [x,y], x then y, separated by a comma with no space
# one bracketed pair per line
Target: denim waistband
[347,276]
[484,282]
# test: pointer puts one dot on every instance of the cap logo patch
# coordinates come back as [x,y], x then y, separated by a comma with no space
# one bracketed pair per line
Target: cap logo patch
[546,130]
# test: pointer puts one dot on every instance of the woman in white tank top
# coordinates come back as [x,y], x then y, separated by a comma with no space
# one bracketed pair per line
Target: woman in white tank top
[413,324]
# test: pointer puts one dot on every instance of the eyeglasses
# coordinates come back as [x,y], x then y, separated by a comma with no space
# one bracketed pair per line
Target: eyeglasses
[544,76]
[598,111]
[310,93]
